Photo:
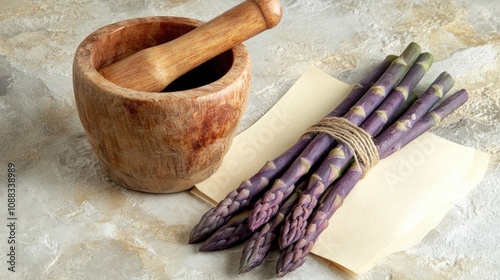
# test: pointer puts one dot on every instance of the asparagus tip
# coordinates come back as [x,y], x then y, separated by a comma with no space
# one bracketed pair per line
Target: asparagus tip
[245,268]
[195,237]
[204,248]
[281,274]
[250,260]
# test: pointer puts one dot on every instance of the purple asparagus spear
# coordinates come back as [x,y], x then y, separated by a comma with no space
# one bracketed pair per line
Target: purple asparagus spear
[257,248]
[430,120]
[268,205]
[231,234]
[329,170]
[436,91]
[241,197]
[294,255]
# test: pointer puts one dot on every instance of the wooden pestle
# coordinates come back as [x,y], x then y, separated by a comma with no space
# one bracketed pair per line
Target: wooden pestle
[154,68]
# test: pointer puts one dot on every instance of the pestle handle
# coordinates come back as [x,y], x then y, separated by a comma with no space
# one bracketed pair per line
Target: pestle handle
[154,68]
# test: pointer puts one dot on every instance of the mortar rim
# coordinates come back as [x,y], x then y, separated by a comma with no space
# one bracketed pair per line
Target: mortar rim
[83,62]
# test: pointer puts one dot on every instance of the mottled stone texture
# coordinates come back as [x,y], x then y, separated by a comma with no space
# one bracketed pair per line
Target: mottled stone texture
[73,223]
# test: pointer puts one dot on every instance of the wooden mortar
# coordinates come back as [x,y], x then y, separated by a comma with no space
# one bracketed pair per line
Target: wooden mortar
[155,141]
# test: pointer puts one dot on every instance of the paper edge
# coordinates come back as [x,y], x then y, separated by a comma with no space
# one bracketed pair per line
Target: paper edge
[198,193]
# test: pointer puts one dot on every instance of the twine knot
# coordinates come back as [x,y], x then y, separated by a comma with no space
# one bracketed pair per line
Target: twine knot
[355,138]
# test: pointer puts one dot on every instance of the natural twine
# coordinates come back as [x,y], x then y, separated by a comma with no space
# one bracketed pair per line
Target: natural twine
[357,139]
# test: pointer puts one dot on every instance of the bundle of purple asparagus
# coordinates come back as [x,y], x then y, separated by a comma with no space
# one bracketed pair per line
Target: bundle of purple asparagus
[289,200]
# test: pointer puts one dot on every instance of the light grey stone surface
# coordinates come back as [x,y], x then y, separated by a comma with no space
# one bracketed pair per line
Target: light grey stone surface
[73,223]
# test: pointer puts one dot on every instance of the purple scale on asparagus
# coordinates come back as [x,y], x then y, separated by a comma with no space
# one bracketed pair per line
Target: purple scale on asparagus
[295,254]
[265,208]
[220,214]
[296,221]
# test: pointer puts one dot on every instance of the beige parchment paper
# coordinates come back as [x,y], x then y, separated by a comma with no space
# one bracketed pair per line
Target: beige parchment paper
[391,209]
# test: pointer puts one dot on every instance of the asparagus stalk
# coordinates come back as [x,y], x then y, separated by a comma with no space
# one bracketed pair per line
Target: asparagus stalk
[433,94]
[329,170]
[430,120]
[268,205]
[257,248]
[412,97]
[231,234]
[362,86]
[294,255]
[241,197]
